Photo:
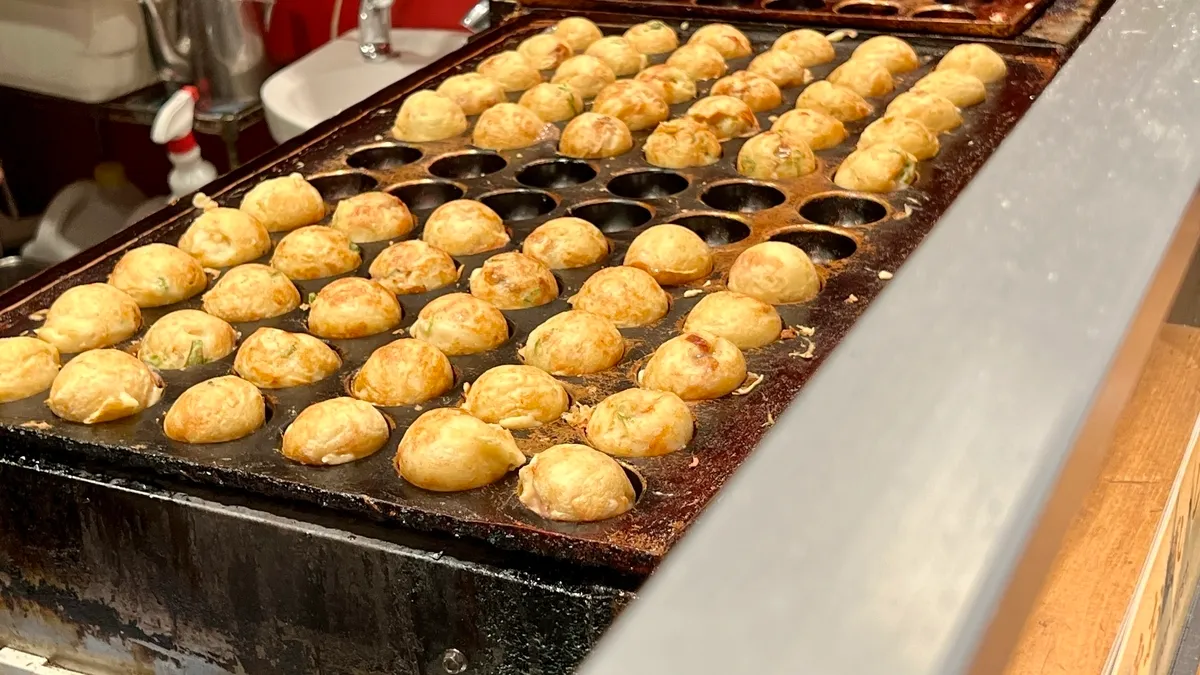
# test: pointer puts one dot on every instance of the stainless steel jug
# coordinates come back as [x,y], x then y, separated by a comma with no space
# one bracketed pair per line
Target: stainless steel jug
[215,44]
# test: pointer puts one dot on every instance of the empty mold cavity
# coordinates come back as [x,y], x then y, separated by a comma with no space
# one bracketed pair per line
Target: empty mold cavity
[520,204]
[823,246]
[647,184]
[613,216]
[384,157]
[556,173]
[714,229]
[859,8]
[636,480]
[337,186]
[843,210]
[427,195]
[794,5]
[742,196]
[944,12]
[465,165]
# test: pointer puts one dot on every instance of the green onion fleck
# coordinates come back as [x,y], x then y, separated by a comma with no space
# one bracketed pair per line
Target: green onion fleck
[195,355]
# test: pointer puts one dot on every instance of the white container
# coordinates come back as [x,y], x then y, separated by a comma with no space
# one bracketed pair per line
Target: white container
[86,213]
[85,50]
[334,77]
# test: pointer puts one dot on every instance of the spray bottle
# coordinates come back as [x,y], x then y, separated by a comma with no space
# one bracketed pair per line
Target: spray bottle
[173,127]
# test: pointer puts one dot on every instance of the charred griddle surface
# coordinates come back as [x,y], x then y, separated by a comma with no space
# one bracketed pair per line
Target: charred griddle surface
[985,18]
[858,240]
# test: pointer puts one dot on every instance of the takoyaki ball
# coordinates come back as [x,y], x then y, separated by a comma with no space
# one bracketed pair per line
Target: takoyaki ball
[448,450]
[553,102]
[103,385]
[428,116]
[671,254]
[215,411]
[962,89]
[627,296]
[403,372]
[516,397]
[776,273]
[747,322]
[459,324]
[592,136]
[335,431]
[840,103]
[695,366]
[883,167]
[315,252]
[352,307]
[780,67]
[90,316]
[251,292]
[275,359]
[545,51]
[905,132]
[726,39]
[864,77]
[576,484]
[585,74]
[372,216]
[773,156]
[473,92]
[578,32]
[511,69]
[464,227]
[975,59]
[186,338]
[27,366]
[699,61]
[574,343]
[681,143]
[410,267]
[284,203]
[508,126]
[640,423]
[893,53]
[818,130]
[566,243]
[618,54]
[637,104]
[729,117]
[675,85]
[222,237]
[755,90]
[652,37]
[811,47]
[513,280]
[158,274]
[936,113]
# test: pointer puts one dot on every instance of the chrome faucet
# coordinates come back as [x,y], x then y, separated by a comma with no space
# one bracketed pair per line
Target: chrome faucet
[375,29]
[478,18]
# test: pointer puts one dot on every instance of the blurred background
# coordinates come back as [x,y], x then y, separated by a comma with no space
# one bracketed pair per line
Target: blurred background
[82,80]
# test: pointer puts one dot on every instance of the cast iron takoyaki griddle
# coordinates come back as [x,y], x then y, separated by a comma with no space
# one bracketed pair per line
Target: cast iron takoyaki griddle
[857,239]
[994,18]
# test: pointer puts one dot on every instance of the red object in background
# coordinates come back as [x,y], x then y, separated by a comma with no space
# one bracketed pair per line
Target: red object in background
[300,26]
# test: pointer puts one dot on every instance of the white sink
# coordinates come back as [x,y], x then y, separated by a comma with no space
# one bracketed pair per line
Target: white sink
[335,77]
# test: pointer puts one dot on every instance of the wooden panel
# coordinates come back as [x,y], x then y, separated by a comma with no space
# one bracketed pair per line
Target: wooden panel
[1104,561]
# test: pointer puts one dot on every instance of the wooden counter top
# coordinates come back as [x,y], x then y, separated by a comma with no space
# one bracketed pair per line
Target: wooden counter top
[1118,593]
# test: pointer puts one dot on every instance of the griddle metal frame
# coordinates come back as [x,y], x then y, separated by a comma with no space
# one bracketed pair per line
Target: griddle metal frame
[903,512]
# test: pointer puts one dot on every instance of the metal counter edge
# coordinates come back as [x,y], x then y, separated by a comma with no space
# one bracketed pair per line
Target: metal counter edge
[902,513]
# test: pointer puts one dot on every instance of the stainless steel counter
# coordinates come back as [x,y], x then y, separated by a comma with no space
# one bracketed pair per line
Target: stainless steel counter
[900,516]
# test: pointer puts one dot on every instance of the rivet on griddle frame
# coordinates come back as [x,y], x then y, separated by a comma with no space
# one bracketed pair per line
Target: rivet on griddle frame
[454,661]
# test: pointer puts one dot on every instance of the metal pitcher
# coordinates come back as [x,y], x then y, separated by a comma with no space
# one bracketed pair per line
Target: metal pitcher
[215,44]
